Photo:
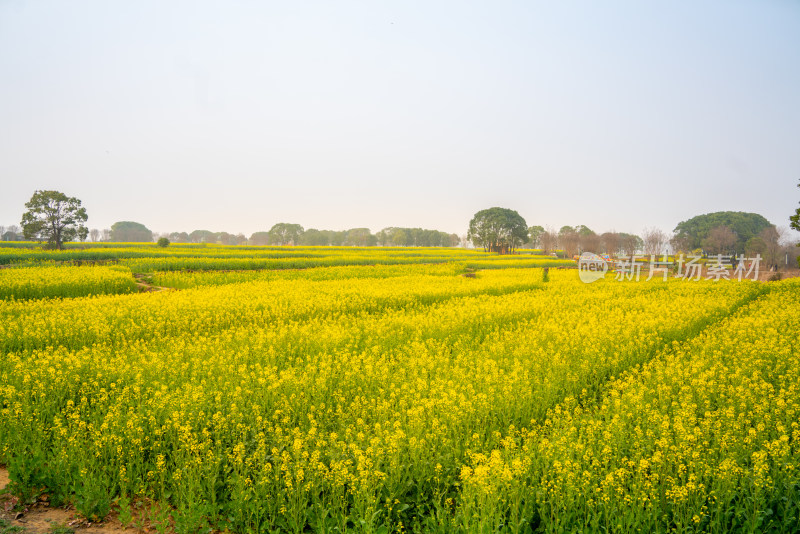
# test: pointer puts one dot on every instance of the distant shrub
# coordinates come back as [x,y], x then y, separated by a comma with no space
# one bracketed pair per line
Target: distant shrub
[162,242]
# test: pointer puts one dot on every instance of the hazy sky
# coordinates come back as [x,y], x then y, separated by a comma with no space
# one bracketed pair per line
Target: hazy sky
[232,116]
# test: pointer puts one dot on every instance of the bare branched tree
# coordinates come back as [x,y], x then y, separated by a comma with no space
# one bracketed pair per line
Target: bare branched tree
[568,240]
[679,244]
[630,244]
[720,240]
[655,241]
[548,239]
[773,246]
[610,242]
[590,242]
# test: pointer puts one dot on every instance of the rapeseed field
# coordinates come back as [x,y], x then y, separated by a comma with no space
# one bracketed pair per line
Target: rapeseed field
[402,397]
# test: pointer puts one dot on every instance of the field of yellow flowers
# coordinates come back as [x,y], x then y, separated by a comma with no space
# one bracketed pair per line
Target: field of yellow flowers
[405,396]
[34,282]
[147,257]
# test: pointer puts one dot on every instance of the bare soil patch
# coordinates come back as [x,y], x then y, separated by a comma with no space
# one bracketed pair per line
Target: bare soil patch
[144,283]
[41,518]
[4,480]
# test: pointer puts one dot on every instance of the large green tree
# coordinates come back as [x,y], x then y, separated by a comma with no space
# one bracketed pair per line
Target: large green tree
[179,237]
[360,237]
[498,230]
[54,217]
[795,219]
[202,236]
[130,232]
[415,237]
[285,234]
[315,238]
[399,237]
[745,225]
[535,236]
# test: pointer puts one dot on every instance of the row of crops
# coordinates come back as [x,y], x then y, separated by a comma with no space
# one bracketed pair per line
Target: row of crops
[50,281]
[407,397]
[100,269]
[149,257]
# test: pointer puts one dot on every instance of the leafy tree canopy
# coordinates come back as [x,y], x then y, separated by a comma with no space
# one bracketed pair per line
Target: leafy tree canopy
[360,237]
[11,236]
[630,243]
[202,236]
[179,237]
[314,238]
[130,232]
[285,234]
[259,238]
[54,217]
[498,230]
[535,236]
[745,225]
[795,219]
[415,237]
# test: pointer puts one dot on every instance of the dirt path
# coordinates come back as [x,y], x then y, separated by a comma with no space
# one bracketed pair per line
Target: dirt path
[4,480]
[143,281]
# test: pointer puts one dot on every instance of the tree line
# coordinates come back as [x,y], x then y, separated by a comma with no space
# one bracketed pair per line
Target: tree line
[284,234]
[728,233]
[294,234]
[771,242]
[53,217]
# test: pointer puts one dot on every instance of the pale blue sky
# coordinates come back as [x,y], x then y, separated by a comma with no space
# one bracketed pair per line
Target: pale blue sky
[236,115]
